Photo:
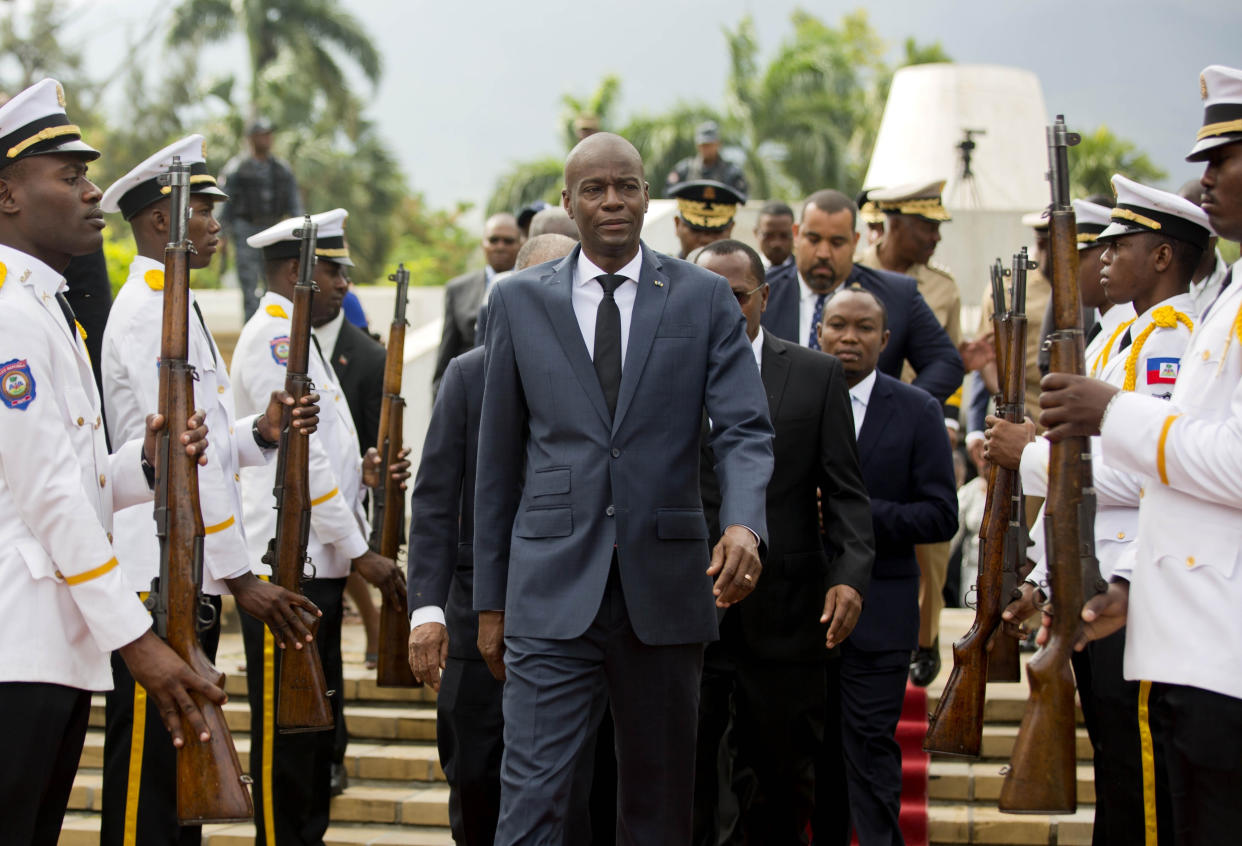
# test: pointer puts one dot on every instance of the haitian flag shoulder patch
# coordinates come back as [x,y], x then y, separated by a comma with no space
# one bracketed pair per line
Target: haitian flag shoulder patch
[1162,371]
[280,350]
[17,384]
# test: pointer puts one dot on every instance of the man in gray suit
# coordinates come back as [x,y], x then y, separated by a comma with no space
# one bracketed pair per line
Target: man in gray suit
[464,294]
[592,572]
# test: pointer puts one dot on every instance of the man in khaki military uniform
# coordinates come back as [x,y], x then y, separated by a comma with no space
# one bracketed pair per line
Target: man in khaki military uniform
[913,214]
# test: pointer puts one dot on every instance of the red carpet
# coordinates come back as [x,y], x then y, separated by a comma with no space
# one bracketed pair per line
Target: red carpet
[911,729]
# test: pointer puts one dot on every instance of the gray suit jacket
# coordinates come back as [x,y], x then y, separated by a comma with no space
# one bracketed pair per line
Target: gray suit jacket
[462,297]
[560,485]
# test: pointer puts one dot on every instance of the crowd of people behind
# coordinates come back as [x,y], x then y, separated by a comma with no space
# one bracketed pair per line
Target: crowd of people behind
[682,528]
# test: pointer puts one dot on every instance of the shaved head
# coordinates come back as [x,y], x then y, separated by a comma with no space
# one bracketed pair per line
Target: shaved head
[541,248]
[553,220]
[596,146]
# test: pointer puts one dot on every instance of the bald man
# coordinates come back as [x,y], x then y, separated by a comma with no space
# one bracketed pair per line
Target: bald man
[462,296]
[593,579]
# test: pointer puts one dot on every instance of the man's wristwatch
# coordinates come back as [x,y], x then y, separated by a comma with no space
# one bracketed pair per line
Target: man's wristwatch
[263,442]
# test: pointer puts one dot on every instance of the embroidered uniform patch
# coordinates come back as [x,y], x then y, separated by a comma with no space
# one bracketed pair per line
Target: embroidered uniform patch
[17,384]
[1162,371]
[280,350]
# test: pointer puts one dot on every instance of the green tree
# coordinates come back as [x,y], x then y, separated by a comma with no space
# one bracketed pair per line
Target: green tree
[292,44]
[33,46]
[1101,154]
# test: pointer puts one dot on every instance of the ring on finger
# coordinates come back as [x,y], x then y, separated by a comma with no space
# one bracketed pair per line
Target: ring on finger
[746,576]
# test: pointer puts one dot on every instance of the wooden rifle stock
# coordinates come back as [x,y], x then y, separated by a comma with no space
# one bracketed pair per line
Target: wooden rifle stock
[1041,777]
[302,702]
[210,784]
[393,665]
[1003,662]
[956,727]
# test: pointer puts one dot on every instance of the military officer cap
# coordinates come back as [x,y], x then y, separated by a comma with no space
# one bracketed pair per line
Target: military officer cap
[1221,89]
[34,123]
[139,188]
[1036,220]
[278,241]
[705,204]
[1091,219]
[1141,208]
[707,132]
[866,208]
[922,200]
[527,213]
[259,126]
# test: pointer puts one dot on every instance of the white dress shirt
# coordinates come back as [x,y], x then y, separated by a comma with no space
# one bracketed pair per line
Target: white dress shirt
[806,311]
[860,398]
[756,346]
[587,294]
[327,334]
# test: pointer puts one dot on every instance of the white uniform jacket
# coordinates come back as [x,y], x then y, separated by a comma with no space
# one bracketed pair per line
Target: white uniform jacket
[1186,587]
[1148,365]
[64,605]
[131,354]
[338,519]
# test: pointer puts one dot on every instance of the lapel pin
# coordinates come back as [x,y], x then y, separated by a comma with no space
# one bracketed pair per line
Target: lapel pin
[658,283]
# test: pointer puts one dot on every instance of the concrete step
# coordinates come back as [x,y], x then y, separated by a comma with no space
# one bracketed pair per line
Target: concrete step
[83,830]
[395,761]
[998,741]
[967,781]
[986,826]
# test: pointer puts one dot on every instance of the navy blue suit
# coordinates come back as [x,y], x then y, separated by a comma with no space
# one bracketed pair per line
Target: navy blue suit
[916,336]
[598,558]
[908,468]
[440,572]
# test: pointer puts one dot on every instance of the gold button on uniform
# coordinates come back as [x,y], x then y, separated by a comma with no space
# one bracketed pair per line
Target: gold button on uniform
[109,537]
[236,477]
[219,389]
[1190,561]
[102,481]
[1207,354]
[1121,536]
[81,420]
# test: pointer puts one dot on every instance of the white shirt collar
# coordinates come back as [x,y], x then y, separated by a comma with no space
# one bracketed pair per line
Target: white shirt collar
[1180,302]
[329,332]
[756,347]
[862,391]
[25,268]
[808,295]
[586,271]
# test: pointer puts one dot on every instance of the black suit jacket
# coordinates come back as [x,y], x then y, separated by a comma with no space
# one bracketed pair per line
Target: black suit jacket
[358,360]
[814,450]
[440,570]
[462,297]
[90,297]
[908,468]
[916,336]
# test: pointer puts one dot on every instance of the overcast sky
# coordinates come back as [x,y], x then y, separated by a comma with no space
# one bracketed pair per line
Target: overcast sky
[469,87]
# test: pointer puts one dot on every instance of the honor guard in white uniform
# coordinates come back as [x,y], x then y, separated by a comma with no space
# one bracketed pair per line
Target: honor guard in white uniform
[1177,587]
[1152,246]
[298,791]
[64,605]
[139,796]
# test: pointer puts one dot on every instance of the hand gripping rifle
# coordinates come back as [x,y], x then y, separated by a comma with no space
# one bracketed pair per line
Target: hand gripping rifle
[210,784]
[1041,776]
[956,728]
[393,666]
[302,699]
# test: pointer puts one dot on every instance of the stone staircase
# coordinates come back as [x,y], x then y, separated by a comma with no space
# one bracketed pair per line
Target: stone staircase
[397,795]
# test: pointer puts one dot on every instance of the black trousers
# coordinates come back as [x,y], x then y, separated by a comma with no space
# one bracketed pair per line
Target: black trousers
[777,714]
[42,729]
[858,770]
[1197,740]
[145,791]
[292,772]
[1110,707]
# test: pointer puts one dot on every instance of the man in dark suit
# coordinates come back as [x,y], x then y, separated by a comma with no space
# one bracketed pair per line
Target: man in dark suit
[824,242]
[591,545]
[464,294]
[908,468]
[440,581]
[768,668]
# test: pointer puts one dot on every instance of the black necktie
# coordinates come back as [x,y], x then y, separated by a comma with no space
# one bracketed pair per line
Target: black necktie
[608,341]
[68,312]
[1095,330]
[1125,341]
